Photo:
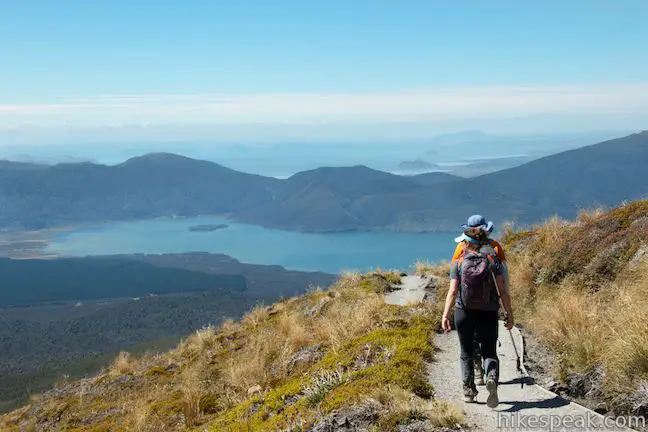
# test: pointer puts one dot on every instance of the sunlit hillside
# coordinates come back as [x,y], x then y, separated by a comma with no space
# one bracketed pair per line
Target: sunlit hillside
[580,289]
[294,364]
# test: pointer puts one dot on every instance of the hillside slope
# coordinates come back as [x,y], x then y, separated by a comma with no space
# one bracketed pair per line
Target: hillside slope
[580,295]
[342,353]
[434,178]
[603,174]
[321,198]
[151,185]
[75,314]
[581,288]
[304,362]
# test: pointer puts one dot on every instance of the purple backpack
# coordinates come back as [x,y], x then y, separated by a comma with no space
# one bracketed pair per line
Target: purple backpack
[478,289]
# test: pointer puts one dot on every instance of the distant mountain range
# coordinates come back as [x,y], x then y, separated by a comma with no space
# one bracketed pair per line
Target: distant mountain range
[323,199]
[416,165]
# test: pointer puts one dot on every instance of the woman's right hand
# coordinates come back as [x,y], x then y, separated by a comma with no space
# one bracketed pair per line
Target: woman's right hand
[509,321]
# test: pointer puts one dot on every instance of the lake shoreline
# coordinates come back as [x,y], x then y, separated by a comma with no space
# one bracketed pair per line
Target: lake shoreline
[304,251]
[332,252]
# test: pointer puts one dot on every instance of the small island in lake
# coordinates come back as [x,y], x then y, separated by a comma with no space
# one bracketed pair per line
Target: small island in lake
[207,228]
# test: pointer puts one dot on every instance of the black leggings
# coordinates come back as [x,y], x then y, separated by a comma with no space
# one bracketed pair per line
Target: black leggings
[485,324]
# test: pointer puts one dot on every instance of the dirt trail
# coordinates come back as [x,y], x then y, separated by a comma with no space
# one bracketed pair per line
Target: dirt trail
[412,289]
[519,406]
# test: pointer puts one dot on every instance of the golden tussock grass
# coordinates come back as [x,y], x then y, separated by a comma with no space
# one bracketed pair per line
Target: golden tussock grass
[586,216]
[139,414]
[439,269]
[255,316]
[192,388]
[582,288]
[398,404]
[123,364]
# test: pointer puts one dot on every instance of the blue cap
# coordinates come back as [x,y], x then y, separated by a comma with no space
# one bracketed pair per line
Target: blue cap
[478,221]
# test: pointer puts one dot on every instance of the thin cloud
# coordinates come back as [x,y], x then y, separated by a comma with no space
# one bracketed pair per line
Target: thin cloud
[420,105]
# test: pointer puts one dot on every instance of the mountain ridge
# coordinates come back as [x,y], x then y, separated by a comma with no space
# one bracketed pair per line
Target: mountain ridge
[326,199]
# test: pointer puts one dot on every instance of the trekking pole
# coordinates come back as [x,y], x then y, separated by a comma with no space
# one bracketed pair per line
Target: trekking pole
[518,362]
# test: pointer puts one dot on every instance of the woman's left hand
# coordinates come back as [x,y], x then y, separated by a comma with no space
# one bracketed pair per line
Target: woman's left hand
[445,324]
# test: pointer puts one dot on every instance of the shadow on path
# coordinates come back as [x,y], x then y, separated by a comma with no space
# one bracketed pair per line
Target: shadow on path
[525,380]
[554,402]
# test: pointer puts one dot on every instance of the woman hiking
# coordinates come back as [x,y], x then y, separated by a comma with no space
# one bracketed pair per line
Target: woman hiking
[476,286]
[478,221]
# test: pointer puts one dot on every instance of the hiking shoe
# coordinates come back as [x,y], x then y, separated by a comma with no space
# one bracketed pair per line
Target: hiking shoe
[469,395]
[491,386]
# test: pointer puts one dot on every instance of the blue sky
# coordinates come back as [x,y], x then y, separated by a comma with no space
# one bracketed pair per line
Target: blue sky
[90,64]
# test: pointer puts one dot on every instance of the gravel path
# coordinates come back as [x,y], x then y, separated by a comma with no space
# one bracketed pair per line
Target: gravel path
[519,406]
[412,290]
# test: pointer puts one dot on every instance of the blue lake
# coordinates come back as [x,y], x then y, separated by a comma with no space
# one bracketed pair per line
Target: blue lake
[331,253]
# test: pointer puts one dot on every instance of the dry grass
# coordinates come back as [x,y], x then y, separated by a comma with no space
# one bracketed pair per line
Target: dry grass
[399,405]
[218,374]
[139,415]
[265,357]
[12,420]
[393,275]
[587,216]
[572,324]
[200,341]
[626,356]
[255,316]
[192,389]
[123,364]
[352,315]
[250,367]
[582,288]
[439,269]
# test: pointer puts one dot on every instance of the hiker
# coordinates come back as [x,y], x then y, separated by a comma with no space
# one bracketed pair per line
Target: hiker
[478,221]
[477,285]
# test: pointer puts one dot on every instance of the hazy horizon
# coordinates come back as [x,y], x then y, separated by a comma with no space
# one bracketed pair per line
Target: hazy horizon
[465,153]
[329,71]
